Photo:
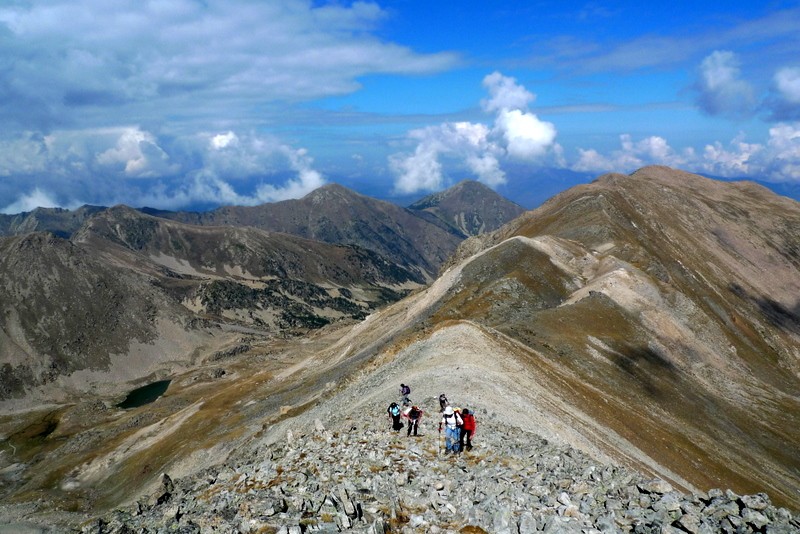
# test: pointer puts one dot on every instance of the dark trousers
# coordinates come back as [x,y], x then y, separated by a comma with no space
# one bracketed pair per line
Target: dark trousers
[396,424]
[413,423]
[466,439]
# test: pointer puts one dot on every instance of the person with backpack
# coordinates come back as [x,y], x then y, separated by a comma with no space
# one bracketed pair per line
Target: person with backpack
[467,430]
[443,402]
[405,391]
[450,421]
[459,427]
[394,412]
[414,415]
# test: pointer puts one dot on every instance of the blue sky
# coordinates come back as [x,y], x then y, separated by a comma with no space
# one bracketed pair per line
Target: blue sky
[184,104]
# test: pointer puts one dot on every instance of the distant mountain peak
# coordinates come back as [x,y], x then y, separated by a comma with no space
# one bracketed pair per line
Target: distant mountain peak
[468,208]
[331,192]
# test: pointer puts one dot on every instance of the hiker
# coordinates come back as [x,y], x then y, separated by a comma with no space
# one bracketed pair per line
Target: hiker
[443,402]
[394,412]
[414,414]
[467,430]
[405,391]
[450,421]
[459,427]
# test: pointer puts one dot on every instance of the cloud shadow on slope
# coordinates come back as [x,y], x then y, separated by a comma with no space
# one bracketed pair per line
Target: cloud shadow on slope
[646,366]
[774,312]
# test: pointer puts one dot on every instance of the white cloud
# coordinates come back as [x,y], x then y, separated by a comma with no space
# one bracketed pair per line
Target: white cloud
[137,155]
[783,103]
[202,61]
[30,201]
[487,168]
[133,166]
[777,160]
[505,93]
[721,91]
[24,155]
[787,80]
[223,140]
[631,155]
[526,137]
[420,171]
[783,149]
[517,133]
[464,142]
[306,181]
[735,161]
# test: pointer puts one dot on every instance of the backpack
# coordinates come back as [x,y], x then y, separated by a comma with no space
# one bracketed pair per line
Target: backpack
[456,422]
[394,409]
[469,421]
[406,390]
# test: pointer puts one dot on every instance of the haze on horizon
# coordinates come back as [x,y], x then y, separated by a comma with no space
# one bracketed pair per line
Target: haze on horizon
[183,104]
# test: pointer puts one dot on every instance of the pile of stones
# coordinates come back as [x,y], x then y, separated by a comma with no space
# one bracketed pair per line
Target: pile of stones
[360,476]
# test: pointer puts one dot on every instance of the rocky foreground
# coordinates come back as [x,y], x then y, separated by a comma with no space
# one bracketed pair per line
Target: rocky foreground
[357,475]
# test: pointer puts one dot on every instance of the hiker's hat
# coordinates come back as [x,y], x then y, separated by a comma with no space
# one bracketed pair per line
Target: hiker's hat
[448,411]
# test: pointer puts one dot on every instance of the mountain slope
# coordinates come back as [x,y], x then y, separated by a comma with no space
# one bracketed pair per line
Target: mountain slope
[128,283]
[468,208]
[65,310]
[59,221]
[335,214]
[665,307]
[649,321]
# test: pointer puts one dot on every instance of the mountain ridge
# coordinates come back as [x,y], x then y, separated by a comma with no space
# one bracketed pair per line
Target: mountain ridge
[648,321]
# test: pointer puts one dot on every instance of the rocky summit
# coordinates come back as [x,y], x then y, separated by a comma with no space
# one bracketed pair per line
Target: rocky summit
[358,475]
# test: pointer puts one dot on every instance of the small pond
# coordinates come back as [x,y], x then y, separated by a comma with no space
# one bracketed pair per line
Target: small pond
[145,394]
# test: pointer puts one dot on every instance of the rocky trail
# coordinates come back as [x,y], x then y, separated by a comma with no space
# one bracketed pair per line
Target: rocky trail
[355,474]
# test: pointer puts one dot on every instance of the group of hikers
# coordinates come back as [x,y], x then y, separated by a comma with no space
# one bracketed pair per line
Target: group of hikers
[458,424]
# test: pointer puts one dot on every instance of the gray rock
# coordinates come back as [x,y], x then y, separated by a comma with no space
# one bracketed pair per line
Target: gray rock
[561,525]
[655,486]
[757,502]
[754,518]
[527,523]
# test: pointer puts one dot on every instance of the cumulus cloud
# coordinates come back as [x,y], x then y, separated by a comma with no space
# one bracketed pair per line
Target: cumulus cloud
[101,100]
[735,160]
[140,169]
[721,90]
[526,136]
[505,93]
[30,201]
[137,155]
[420,171]
[776,160]
[787,81]
[631,155]
[25,154]
[784,101]
[516,133]
[229,162]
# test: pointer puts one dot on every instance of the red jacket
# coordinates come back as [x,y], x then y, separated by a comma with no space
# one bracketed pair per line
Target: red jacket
[469,422]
